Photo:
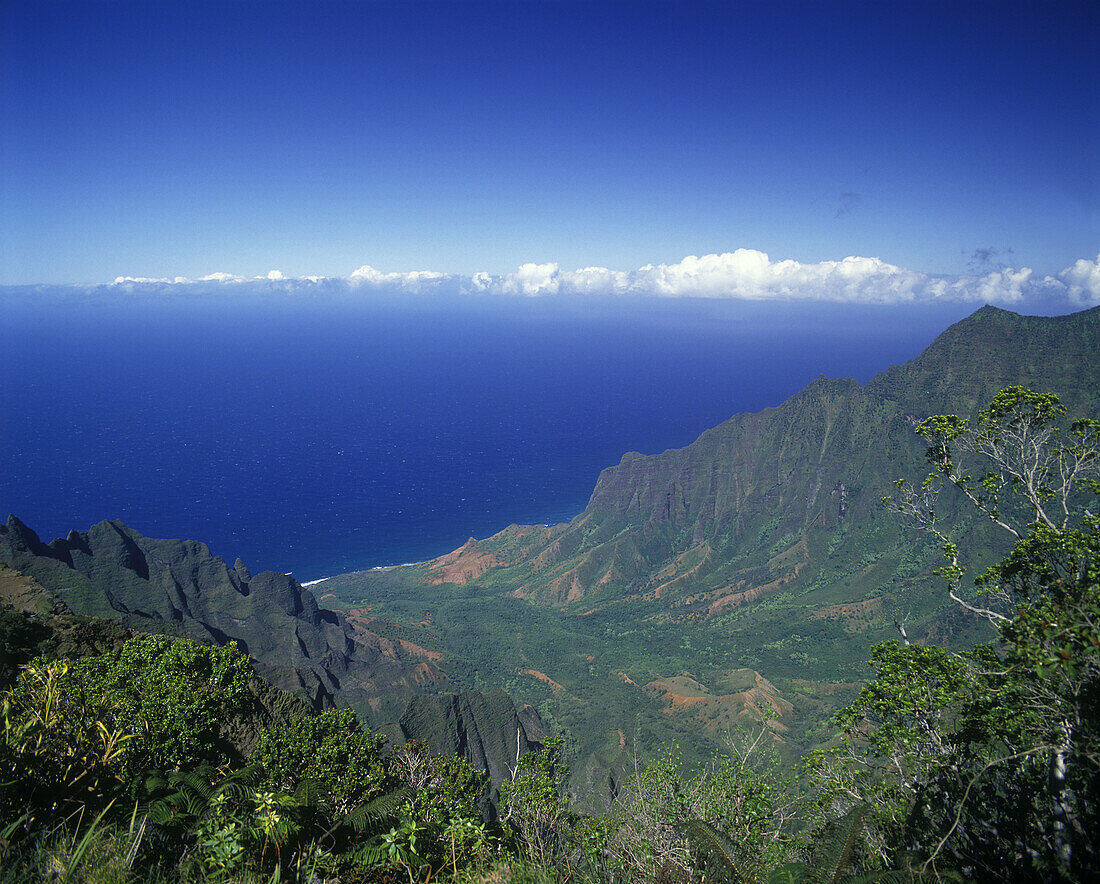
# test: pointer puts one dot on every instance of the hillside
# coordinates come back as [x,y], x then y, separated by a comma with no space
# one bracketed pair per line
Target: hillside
[737,581]
[744,511]
[762,546]
[179,588]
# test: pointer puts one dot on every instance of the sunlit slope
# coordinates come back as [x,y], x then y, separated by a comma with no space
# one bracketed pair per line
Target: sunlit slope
[738,580]
[787,498]
[742,578]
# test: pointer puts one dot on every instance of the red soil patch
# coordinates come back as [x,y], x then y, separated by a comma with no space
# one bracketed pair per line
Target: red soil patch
[415,650]
[671,574]
[793,560]
[394,648]
[542,676]
[359,616]
[851,609]
[464,565]
[718,711]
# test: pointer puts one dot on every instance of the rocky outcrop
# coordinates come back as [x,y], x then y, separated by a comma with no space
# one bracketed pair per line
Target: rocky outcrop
[485,729]
[179,588]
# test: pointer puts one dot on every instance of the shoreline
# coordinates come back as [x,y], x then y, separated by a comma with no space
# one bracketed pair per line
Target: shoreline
[309,583]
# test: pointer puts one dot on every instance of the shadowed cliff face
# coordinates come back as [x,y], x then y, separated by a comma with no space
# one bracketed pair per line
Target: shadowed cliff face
[750,507]
[485,729]
[178,587]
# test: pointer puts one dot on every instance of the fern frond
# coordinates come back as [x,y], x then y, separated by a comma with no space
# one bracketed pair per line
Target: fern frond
[369,816]
[791,873]
[160,812]
[839,841]
[717,851]
[194,782]
[154,782]
[371,855]
[308,793]
[239,783]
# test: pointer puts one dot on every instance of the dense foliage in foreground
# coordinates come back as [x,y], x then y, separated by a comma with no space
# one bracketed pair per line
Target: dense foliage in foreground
[983,765]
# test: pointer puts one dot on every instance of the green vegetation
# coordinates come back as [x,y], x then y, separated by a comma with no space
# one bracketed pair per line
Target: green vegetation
[167,729]
[331,750]
[763,545]
[981,764]
[157,758]
[997,750]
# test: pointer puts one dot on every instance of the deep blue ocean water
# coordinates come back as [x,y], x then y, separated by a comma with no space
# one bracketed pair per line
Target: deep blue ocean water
[317,437]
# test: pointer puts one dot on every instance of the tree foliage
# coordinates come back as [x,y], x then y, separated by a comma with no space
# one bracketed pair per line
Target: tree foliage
[174,696]
[535,804]
[62,748]
[331,749]
[993,753]
[981,764]
[732,817]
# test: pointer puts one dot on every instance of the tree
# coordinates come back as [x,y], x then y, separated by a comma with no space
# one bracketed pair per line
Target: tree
[730,816]
[173,695]
[78,733]
[1018,443]
[61,749]
[535,806]
[330,748]
[997,749]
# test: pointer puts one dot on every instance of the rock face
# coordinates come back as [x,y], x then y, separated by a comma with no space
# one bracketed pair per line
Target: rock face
[745,509]
[178,587]
[34,622]
[124,582]
[485,729]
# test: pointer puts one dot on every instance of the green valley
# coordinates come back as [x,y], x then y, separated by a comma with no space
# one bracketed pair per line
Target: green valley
[740,656]
[762,546]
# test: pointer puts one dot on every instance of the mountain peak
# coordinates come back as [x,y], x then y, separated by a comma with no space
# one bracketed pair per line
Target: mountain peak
[750,506]
[179,587]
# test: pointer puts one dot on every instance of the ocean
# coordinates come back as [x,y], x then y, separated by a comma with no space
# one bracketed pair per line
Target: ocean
[322,436]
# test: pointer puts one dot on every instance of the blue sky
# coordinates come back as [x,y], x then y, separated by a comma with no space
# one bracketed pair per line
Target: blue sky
[954,142]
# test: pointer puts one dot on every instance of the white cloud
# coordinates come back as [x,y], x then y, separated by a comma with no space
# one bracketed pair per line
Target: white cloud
[747,274]
[481,282]
[1003,285]
[130,280]
[533,279]
[752,275]
[598,280]
[414,281]
[1082,281]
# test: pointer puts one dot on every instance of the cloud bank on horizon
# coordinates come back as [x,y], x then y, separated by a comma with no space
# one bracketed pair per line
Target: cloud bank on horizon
[745,274]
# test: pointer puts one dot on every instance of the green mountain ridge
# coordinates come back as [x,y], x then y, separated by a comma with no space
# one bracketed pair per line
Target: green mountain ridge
[739,580]
[706,523]
[89,592]
[761,546]
[179,588]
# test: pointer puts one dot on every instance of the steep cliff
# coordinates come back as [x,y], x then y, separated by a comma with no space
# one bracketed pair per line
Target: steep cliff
[179,588]
[759,502]
[485,729]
